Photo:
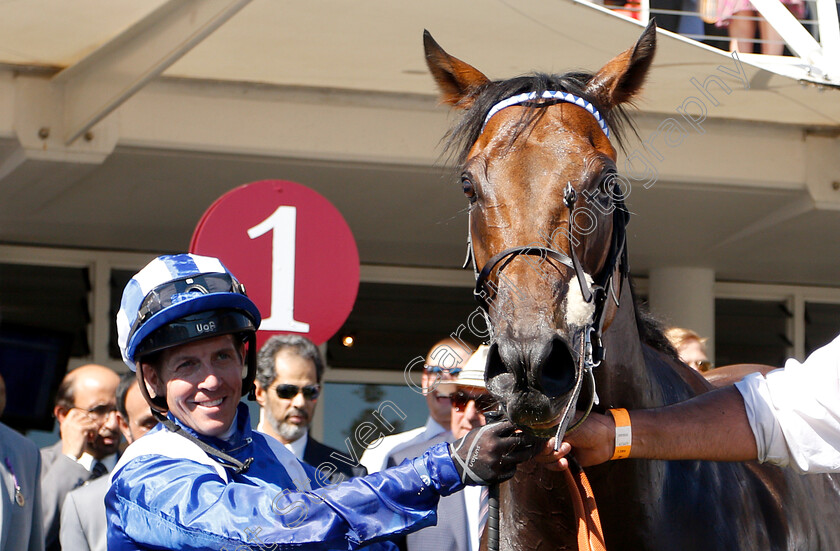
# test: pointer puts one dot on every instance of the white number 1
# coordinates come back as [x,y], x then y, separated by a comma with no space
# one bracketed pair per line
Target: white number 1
[283,223]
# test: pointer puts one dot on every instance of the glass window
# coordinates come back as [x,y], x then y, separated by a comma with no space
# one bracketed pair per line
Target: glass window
[822,324]
[47,297]
[357,414]
[393,324]
[751,331]
[119,279]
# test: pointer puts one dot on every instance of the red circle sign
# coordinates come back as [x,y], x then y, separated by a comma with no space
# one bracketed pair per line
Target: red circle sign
[293,251]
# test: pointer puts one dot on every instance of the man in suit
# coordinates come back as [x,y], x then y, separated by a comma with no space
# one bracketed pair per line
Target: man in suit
[21,528]
[83,524]
[289,374]
[460,516]
[85,407]
[443,361]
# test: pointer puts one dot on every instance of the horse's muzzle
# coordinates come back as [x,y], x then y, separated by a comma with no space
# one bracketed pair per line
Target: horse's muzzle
[532,382]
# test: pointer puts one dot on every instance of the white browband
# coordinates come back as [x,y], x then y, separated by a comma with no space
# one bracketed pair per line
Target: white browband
[559,96]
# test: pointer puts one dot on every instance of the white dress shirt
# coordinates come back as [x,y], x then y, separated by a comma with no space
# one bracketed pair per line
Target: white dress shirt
[794,412]
[472,502]
[298,445]
[87,460]
[376,458]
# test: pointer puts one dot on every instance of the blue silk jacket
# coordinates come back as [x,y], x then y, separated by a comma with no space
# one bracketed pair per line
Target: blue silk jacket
[166,493]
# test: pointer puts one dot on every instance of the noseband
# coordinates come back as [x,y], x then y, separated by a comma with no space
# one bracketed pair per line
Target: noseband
[592,349]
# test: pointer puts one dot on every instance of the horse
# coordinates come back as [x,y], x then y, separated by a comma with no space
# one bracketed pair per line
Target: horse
[547,241]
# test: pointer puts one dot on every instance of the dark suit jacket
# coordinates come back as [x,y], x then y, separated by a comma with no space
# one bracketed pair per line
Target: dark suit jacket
[20,526]
[316,454]
[451,532]
[59,475]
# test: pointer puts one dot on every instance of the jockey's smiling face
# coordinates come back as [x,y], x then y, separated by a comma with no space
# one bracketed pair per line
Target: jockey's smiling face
[202,382]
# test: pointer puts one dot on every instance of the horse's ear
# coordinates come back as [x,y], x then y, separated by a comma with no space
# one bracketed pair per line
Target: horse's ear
[457,80]
[622,78]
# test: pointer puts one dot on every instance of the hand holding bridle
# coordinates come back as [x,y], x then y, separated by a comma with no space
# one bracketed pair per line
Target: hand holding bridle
[592,443]
[490,454]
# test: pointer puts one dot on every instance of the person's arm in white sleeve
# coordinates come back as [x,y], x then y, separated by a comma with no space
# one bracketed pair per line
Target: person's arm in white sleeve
[794,412]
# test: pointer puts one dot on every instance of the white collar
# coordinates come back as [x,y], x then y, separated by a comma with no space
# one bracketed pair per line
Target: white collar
[87,461]
[433,428]
[298,445]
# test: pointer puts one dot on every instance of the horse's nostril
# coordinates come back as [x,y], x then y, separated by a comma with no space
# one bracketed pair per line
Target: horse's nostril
[495,366]
[557,369]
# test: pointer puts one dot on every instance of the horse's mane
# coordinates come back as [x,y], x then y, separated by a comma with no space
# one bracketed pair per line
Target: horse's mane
[651,329]
[460,138]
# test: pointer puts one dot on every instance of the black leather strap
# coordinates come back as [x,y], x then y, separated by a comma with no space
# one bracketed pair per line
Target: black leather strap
[227,461]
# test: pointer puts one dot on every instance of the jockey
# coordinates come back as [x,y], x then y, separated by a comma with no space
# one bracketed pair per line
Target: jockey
[202,479]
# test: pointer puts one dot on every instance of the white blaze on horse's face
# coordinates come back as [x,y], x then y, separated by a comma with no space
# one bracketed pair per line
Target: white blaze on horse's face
[578,312]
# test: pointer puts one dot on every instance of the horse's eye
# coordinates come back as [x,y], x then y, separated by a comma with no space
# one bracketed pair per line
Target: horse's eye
[608,181]
[469,188]
[607,185]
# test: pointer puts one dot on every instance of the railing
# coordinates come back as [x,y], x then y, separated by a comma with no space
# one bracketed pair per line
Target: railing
[696,19]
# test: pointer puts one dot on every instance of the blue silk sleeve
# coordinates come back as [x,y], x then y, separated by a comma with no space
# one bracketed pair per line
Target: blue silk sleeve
[162,502]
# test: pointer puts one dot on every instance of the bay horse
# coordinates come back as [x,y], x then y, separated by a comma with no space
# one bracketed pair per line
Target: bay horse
[547,241]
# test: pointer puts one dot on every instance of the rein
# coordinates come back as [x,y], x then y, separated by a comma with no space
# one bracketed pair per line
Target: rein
[591,353]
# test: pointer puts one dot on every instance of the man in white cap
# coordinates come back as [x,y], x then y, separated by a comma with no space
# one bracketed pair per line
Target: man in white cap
[459,524]
[444,360]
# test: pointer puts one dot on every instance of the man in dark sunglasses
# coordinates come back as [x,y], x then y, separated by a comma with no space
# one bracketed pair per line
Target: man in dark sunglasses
[460,519]
[289,374]
[444,361]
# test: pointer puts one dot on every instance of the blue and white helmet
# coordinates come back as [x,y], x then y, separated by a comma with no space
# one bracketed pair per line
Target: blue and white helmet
[182,298]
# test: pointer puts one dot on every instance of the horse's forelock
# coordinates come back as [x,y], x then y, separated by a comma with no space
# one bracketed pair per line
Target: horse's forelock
[460,138]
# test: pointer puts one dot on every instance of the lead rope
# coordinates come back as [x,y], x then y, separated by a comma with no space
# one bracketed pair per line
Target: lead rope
[590,535]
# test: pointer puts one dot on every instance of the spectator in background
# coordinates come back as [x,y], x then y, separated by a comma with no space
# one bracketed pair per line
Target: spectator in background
[690,347]
[83,524]
[742,19]
[459,525]
[289,374]
[21,528]
[443,361]
[85,406]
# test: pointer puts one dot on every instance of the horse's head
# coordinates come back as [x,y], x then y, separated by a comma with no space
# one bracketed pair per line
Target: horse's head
[546,216]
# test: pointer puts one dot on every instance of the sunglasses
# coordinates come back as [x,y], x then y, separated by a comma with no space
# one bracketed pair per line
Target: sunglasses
[702,365]
[438,369]
[173,292]
[483,402]
[287,392]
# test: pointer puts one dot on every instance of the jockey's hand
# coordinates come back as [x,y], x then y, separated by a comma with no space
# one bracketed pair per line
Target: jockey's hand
[592,443]
[490,454]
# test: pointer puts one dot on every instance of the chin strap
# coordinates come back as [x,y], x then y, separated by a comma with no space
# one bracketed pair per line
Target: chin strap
[227,461]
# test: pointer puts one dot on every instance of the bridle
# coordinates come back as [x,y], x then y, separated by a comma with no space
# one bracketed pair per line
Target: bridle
[592,349]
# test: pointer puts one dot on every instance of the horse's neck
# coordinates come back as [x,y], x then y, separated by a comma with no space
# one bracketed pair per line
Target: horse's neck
[624,378]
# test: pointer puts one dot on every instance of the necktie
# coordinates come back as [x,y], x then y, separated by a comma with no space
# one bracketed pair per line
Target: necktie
[483,510]
[98,470]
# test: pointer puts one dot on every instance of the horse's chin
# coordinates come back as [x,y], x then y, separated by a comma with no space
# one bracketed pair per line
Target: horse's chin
[544,431]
